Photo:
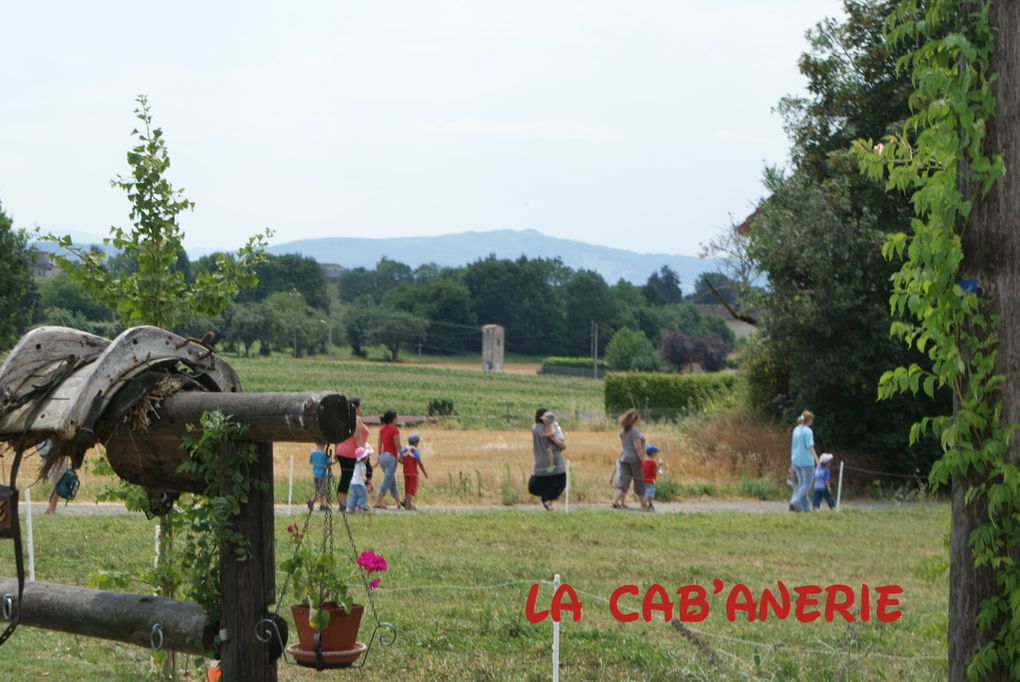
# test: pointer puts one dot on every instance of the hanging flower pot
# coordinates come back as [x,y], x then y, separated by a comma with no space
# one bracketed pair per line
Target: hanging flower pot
[337,640]
[327,620]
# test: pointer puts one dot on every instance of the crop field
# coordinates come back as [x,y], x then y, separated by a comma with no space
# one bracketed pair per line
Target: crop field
[481,399]
[457,587]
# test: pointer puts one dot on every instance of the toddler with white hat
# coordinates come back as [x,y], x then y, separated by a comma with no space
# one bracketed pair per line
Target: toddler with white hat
[823,487]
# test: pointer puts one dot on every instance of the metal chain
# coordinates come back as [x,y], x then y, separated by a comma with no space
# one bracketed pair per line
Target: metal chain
[304,530]
[364,573]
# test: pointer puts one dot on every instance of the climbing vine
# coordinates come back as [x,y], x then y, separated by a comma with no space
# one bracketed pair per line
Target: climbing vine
[208,518]
[939,158]
[203,522]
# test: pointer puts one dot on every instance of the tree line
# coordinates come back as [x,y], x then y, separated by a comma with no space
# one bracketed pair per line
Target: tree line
[823,334]
[546,307]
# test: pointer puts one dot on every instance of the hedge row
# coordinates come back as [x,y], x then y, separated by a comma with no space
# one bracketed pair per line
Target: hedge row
[558,361]
[665,393]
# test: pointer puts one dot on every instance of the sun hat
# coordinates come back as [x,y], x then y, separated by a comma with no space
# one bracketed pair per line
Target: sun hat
[548,417]
[362,453]
[826,457]
[413,438]
[651,450]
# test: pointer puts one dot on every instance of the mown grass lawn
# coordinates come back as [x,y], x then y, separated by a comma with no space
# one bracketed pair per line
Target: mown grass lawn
[457,586]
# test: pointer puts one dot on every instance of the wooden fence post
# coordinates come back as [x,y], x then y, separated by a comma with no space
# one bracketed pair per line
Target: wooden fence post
[248,587]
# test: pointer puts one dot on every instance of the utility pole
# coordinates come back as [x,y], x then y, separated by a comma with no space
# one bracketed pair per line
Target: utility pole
[329,337]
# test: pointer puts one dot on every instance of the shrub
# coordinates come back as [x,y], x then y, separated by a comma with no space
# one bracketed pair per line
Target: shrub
[439,407]
[631,350]
[761,489]
[669,393]
[665,488]
[560,361]
[571,366]
[681,350]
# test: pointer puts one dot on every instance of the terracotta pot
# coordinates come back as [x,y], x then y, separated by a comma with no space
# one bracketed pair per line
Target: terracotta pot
[341,632]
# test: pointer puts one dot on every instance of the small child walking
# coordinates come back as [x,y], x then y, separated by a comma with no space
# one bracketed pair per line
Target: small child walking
[410,458]
[616,474]
[823,487]
[357,496]
[320,468]
[649,472]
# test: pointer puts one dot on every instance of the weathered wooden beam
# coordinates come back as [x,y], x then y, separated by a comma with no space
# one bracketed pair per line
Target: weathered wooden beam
[248,586]
[150,458]
[271,417]
[110,615]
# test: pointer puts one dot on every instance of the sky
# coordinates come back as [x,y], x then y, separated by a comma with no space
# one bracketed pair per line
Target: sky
[642,125]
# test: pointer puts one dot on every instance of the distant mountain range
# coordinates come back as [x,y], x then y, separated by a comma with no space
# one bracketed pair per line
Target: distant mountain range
[452,250]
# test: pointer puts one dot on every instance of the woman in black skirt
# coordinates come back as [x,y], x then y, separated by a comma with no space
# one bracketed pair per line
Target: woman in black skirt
[548,476]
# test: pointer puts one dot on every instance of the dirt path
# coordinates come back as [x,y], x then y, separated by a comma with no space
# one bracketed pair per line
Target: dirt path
[699,506]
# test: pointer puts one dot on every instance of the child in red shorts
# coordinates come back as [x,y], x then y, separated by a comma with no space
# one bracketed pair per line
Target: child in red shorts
[649,472]
[410,458]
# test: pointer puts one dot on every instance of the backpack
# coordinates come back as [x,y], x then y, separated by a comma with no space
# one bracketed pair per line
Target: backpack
[67,486]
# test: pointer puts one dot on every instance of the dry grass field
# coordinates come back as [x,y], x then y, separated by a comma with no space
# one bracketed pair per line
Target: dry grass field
[471,467]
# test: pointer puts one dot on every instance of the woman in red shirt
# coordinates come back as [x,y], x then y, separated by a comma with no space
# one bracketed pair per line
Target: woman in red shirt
[389,448]
[344,453]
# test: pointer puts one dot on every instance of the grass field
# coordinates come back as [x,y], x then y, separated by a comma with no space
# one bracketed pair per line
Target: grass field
[458,583]
[481,399]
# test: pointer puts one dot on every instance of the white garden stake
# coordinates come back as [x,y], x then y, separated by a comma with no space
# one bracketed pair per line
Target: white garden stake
[28,530]
[566,495]
[839,486]
[556,637]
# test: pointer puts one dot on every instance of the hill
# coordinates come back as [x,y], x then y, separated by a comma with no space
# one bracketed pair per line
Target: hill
[452,250]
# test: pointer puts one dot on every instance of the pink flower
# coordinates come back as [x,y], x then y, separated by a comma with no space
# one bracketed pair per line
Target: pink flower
[374,584]
[372,562]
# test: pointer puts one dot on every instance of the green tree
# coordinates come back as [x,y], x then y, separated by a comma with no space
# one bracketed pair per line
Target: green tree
[156,291]
[357,319]
[703,288]
[817,237]
[663,287]
[17,290]
[293,322]
[525,297]
[394,328]
[287,273]
[446,303]
[587,298]
[246,324]
[630,350]
[65,292]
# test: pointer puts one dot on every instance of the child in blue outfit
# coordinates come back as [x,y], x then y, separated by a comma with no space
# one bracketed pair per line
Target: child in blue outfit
[320,467]
[822,485]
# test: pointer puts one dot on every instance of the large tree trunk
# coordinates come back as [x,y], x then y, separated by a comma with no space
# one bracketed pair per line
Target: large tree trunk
[992,248]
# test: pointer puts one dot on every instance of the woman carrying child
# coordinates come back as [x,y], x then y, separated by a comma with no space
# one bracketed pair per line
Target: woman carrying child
[389,448]
[548,477]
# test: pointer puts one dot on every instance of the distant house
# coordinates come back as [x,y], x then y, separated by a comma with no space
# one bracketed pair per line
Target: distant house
[42,265]
[740,329]
[332,271]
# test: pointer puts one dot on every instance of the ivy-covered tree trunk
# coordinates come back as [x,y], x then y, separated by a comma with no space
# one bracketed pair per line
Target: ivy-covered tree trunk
[992,248]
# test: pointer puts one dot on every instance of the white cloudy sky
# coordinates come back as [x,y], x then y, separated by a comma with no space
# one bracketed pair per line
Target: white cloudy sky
[642,124]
